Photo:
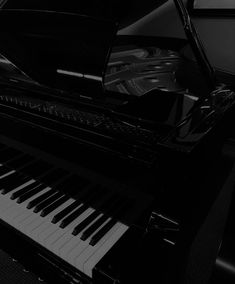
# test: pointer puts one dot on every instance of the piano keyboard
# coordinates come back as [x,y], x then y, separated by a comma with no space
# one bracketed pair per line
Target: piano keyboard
[71,217]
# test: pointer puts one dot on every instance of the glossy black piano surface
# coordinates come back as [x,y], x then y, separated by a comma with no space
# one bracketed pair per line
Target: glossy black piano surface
[98,132]
[177,118]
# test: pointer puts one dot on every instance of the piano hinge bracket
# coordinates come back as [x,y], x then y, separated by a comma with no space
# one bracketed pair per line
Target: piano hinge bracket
[165,227]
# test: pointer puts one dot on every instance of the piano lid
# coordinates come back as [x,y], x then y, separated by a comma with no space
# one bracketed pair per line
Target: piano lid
[60,50]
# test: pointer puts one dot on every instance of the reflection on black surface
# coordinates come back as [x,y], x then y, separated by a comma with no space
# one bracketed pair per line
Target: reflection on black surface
[136,71]
[69,52]
[162,107]
[57,46]
[9,71]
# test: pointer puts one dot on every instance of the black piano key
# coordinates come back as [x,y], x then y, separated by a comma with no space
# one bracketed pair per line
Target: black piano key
[40,198]
[120,212]
[59,181]
[59,216]
[9,179]
[49,179]
[94,196]
[89,231]
[30,193]
[54,205]
[25,189]
[81,226]
[108,203]
[100,221]
[63,186]
[73,216]
[102,232]
[14,184]
[47,202]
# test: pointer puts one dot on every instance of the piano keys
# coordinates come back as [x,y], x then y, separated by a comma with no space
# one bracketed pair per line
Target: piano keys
[73,218]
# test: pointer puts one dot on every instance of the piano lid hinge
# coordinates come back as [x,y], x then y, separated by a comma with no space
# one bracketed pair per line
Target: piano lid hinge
[165,227]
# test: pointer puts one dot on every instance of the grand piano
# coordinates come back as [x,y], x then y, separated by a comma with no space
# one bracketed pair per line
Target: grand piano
[105,143]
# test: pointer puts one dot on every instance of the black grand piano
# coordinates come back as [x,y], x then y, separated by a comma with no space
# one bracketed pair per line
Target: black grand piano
[104,146]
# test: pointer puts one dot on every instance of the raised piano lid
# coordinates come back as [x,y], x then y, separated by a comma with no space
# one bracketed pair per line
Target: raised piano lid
[55,49]
[69,52]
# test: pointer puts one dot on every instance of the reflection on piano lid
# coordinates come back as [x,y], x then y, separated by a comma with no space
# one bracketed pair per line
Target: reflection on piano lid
[57,49]
[66,54]
[10,71]
[136,71]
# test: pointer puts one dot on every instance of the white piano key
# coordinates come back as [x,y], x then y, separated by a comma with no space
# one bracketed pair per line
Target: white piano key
[21,219]
[61,239]
[5,203]
[38,231]
[40,226]
[31,222]
[72,249]
[36,195]
[5,209]
[17,214]
[51,228]
[50,240]
[71,242]
[35,221]
[24,184]
[68,245]
[12,211]
[82,245]
[7,174]
[5,198]
[56,233]
[25,203]
[95,255]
